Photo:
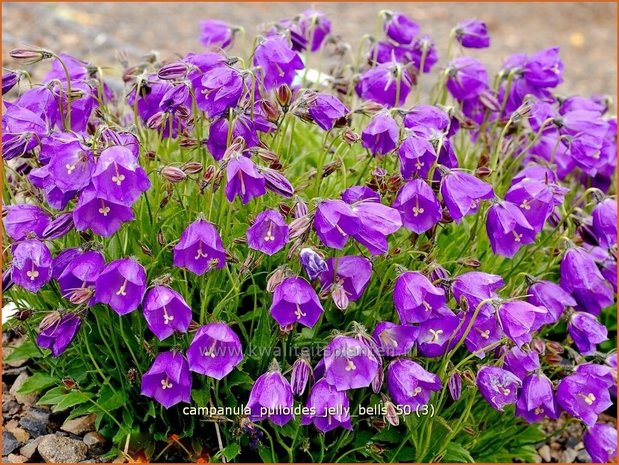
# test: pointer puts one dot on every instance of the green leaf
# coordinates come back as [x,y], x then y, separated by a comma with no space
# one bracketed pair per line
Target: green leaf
[455,453]
[231,451]
[111,399]
[200,396]
[265,454]
[391,435]
[24,352]
[71,399]
[36,383]
[239,378]
[53,396]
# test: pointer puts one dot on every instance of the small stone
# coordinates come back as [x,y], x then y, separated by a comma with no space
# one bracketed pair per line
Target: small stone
[568,455]
[579,446]
[79,425]
[58,449]
[20,434]
[26,399]
[14,458]
[95,442]
[35,422]
[30,448]
[9,443]
[583,456]
[544,453]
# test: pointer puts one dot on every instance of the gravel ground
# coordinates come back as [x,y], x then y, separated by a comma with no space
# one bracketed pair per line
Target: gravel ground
[586,32]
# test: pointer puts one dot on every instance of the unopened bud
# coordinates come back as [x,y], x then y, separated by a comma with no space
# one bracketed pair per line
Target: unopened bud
[81,295]
[59,226]
[300,208]
[277,182]
[173,174]
[192,167]
[30,56]
[300,226]
[270,110]
[455,386]
[391,414]
[173,71]
[209,174]
[331,168]
[377,382]
[189,143]
[470,262]
[301,373]
[350,137]
[538,346]
[276,278]
[284,97]
[555,347]
[156,121]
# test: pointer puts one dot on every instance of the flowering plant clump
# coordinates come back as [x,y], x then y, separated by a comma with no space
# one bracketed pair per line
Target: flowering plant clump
[296,255]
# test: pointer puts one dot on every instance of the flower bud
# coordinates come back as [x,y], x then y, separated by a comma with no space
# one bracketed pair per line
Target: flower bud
[539,346]
[391,415]
[277,182]
[301,373]
[50,319]
[189,143]
[455,386]
[483,172]
[30,56]
[470,262]
[173,174]
[300,208]
[270,110]
[9,80]
[276,278]
[192,167]
[350,137]
[377,382]
[284,97]
[173,71]
[312,262]
[7,280]
[554,347]
[156,121]
[340,297]
[23,315]
[331,168]
[81,295]
[299,226]
[209,174]
[553,359]
[59,226]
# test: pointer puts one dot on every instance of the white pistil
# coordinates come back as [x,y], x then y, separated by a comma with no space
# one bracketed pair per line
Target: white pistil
[299,313]
[70,168]
[32,274]
[269,234]
[166,316]
[201,253]
[517,237]
[166,384]
[417,391]
[350,366]
[435,334]
[525,205]
[122,291]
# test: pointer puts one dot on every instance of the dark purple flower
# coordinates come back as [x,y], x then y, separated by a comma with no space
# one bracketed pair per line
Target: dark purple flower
[24,219]
[536,399]
[168,380]
[278,61]
[409,384]
[356,194]
[326,110]
[535,199]
[605,223]
[59,226]
[466,78]
[603,374]
[485,331]
[381,135]
[56,331]
[9,80]
[295,300]
[472,34]
[62,260]
[215,350]
[415,297]
[121,285]
[393,340]
[544,68]
[400,28]
[601,442]
[313,264]
[552,297]
[165,311]
[268,233]
[215,33]
[427,122]
[587,332]
[334,222]
[346,278]
[102,216]
[498,386]
[435,333]
[300,376]
[200,248]
[518,320]
[387,52]
[508,230]
[242,126]
[271,398]
[349,363]
[328,408]
[377,222]
[416,157]
[277,182]
[424,54]
[386,83]
[244,179]
[463,192]
[314,27]
[32,265]
[219,89]
[474,287]
[81,274]
[419,208]
[521,363]
[582,397]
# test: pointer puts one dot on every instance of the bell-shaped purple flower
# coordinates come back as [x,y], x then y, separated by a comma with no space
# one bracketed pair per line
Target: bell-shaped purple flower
[484,332]
[552,297]
[415,297]
[216,33]
[118,177]
[467,78]
[300,376]
[168,380]
[165,311]
[23,220]
[59,226]
[518,320]
[269,233]
[346,278]
[419,208]
[200,248]
[381,135]
[536,399]
[326,110]
[601,442]
[277,182]
[81,274]
[394,340]
[472,34]
[349,363]
[334,222]
[219,90]
[377,222]
[279,62]
[386,83]
[56,331]
[215,350]
[295,300]
[587,332]
[535,199]
[242,126]
[606,375]
[72,165]
[463,192]
[244,180]
[417,156]
[409,384]
[498,386]
[271,398]
[582,397]
[436,332]
[356,194]
[508,230]
[328,407]
[102,216]
[32,265]
[474,287]
[521,363]
[544,69]
[121,285]
[400,28]
[605,223]
[312,263]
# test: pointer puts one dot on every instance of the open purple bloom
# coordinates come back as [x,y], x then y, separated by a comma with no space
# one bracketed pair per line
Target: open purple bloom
[349,363]
[219,90]
[419,208]
[485,331]
[346,279]
[508,230]
[386,83]
[474,287]
[356,194]
[118,177]
[393,340]
[329,407]
[552,297]
[121,285]
[271,398]
[466,78]
[426,122]
[544,68]
[521,363]
[409,384]
[463,192]
[269,233]
[498,386]
[312,263]
[102,216]
[583,398]
[165,311]
[295,300]
[242,126]
[415,297]
[326,110]
[200,248]
[334,222]
[603,374]
[435,333]
[423,54]
[536,399]
[400,28]
[587,332]
[215,350]
[377,222]
[168,380]
[9,80]
[381,135]
[216,33]
[535,199]
[31,265]
[279,62]
[24,219]
[605,223]
[601,442]
[417,156]
[518,320]
[81,274]
[56,331]
[472,34]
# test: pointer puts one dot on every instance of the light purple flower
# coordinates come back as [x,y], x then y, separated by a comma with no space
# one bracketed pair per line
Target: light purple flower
[102,216]
[118,177]
[587,332]
[165,312]
[410,384]
[536,399]
[415,297]
[279,62]
[271,398]
[419,208]
[200,248]
[329,408]
[346,278]
[508,229]
[349,363]
[393,340]
[601,442]
[168,380]
[31,265]
[22,220]
[582,397]
[268,233]
[214,351]
[381,135]
[400,28]
[466,78]
[498,386]
[121,285]
[463,192]
[244,180]
[472,34]
[295,300]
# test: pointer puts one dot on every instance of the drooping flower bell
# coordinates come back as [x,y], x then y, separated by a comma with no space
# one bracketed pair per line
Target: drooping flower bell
[78,279]
[165,311]
[31,265]
[300,376]
[216,33]
[582,397]
[437,332]
[518,320]
[278,61]
[587,332]
[346,278]
[215,350]
[544,69]
[463,192]
[168,380]
[605,223]
[335,222]
[472,34]
[377,222]
[535,199]
[312,263]
[271,398]
[498,386]
[417,156]
[536,399]
[295,300]
[242,126]
[467,78]
[394,340]
[219,90]
[328,407]
[415,297]
[400,28]
[22,220]
[418,206]
[269,233]
[57,330]
[200,248]
[349,363]
[552,297]
[410,384]
[100,215]
[386,83]
[485,332]
[381,135]
[244,180]
[326,110]
[121,285]
[508,230]
[474,287]
[520,362]
[601,442]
